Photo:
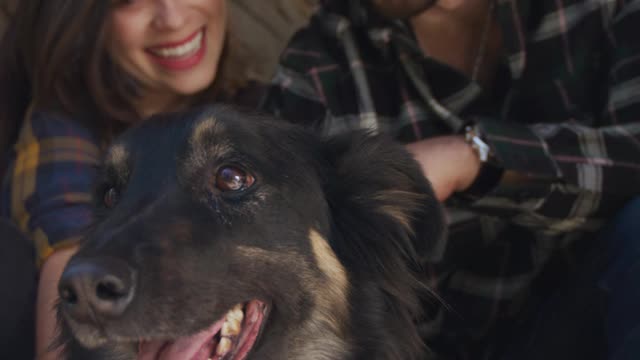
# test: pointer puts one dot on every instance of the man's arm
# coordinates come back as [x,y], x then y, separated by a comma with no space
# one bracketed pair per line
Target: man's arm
[566,174]
[558,177]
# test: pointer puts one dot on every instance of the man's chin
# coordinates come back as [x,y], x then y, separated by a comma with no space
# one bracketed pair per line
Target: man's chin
[401,9]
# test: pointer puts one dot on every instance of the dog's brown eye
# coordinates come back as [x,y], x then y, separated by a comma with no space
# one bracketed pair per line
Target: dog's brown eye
[111,197]
[230,178]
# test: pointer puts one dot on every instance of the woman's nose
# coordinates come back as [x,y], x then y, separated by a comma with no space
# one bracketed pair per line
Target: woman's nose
[170,14]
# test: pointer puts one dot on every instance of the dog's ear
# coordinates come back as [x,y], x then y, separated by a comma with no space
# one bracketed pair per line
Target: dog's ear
[386,226]
[381,201]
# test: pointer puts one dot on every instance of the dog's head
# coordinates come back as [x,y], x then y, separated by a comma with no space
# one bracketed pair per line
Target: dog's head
[224,235]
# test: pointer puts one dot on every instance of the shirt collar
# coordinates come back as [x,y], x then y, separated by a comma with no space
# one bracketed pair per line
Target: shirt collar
[512,14]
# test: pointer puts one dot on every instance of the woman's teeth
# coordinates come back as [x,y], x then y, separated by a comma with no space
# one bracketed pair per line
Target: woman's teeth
[183,50]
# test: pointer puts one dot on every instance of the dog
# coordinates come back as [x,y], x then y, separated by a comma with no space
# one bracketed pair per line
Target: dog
[222,234]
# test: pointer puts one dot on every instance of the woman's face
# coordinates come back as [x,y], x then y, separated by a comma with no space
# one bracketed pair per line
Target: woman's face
[171,47]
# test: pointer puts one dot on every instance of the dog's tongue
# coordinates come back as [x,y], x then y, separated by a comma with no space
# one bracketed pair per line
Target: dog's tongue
[194,347]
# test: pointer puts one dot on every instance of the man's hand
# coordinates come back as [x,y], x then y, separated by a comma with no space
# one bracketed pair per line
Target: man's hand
[448,162]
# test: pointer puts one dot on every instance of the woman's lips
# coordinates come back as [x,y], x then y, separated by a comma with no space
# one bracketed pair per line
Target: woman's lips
[182,55]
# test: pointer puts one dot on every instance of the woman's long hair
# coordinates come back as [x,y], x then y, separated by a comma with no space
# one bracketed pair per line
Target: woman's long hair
[53,57]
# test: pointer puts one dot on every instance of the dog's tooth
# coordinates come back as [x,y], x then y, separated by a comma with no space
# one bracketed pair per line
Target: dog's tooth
[239,313]
[236,313]
[224,346]
[230,328]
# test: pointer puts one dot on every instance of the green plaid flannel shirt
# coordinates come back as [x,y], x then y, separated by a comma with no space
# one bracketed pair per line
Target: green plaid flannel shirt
[566,111]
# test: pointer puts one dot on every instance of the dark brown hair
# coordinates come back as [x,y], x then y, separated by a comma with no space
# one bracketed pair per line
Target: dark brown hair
[53,57]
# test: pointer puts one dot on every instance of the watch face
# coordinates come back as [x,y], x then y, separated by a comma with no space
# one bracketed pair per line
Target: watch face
[472,136]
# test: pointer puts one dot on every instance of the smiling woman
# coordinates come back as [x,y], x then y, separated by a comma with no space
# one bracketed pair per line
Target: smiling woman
[120,59]
[74,74]
[173,48]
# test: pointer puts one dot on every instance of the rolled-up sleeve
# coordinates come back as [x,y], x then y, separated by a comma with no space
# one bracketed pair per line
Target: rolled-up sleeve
[49,182]
[591,170]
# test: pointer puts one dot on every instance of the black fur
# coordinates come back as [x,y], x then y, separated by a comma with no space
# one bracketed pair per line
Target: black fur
[364,194]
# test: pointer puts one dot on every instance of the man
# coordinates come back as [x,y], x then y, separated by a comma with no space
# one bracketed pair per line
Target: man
[524,115]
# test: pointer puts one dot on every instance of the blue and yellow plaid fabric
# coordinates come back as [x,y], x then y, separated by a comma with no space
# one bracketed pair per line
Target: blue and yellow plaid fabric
[47,186]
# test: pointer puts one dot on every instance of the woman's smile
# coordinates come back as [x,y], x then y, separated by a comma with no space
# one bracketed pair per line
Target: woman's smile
[180,55]
[171,47]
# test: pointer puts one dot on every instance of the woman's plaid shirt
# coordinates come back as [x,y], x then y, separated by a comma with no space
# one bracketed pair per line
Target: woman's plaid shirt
[47,189]
[565,111]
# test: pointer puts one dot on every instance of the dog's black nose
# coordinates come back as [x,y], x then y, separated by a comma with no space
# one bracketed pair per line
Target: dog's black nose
[96,289]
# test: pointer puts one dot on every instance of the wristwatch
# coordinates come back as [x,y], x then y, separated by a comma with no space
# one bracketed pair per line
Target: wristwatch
[473,138]
[490,171]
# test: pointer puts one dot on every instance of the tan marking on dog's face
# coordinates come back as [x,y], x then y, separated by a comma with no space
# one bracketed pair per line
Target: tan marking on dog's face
[204,128]
[326,326]
[329,264]
[118,158]
[255,254]
[332,307]
[117,155]
[207,141]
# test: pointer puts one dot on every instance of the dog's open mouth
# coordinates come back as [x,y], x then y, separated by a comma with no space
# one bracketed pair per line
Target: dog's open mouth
[230,338]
